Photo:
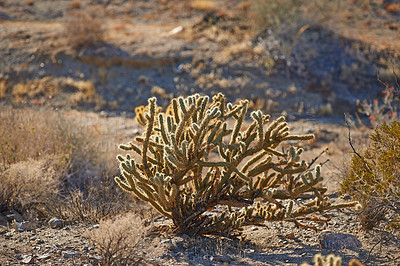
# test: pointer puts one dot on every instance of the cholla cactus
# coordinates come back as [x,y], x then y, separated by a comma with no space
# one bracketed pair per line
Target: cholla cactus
[180,176]
[331,260]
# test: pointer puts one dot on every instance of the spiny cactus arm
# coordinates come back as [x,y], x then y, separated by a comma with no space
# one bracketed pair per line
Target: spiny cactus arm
[289,171]
[262,167]
[271,127]
[149,130]
[163,132]
[201,130]
[123,185]
[140,119]
[224,164]
[214,131]
[258,118]
[130,146]
[131,187]
[203,104]
[299,137]
[308,181]
[231,113]
[185,120]
[275,152]
[239,122]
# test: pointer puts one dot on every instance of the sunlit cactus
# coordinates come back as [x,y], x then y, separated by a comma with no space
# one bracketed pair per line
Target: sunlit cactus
[198,154]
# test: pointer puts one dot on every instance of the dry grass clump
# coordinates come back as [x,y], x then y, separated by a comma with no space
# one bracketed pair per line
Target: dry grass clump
[33,88]
[51,166]
[117,240]
[75,4]
[28,185]
[83,29]
[203,4]
[32,134]
[288,16]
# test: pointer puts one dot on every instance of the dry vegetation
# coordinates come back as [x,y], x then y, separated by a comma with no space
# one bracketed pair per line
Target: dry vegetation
[50,167]
[117,240]
[82,28]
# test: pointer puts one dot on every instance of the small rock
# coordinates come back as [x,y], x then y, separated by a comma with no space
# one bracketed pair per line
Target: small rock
[69,254]
[55,223]
[25,226]
[165,241]
[338,241]
[27,259]
[175,30]
[14,216]
[221,259]
[44,256]
[39,241]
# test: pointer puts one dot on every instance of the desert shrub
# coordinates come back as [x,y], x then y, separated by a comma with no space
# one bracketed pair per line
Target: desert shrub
[192,161]
[386,111]
[50,166]
[374,178]
[82,29]
[117,240]
[275,14]
[30,184]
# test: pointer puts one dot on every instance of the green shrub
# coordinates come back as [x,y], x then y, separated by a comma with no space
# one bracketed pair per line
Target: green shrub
[199,155]
[374,178]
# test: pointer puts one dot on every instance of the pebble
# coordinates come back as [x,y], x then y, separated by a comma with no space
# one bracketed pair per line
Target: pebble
[14,216]
[338,241]
[27,259]
[44,256]
[69,254]
[55,223]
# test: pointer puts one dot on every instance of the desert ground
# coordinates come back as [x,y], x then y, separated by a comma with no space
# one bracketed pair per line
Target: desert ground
[72,73]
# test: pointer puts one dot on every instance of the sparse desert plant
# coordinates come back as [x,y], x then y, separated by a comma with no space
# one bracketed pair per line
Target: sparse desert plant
[275,14]
[49,167]
[374,178]
[192,161]
[117,240]
[384,112]
[76,4]
[82,29]
[30,184]
[203,4]
[32,134]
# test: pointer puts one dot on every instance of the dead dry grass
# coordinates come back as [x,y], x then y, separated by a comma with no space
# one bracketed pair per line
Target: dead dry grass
[51,166]
[117,240]
[83,29]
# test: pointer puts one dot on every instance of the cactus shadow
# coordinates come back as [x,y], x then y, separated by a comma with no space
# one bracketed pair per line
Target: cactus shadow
[227,250]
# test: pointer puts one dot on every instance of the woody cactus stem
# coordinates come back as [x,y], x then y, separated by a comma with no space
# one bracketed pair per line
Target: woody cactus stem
[191,161]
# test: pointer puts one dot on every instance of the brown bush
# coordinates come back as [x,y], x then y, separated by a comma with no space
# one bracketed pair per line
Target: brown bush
[82,29]
[117,240]
[75,4]
[30,184]
[51,166]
